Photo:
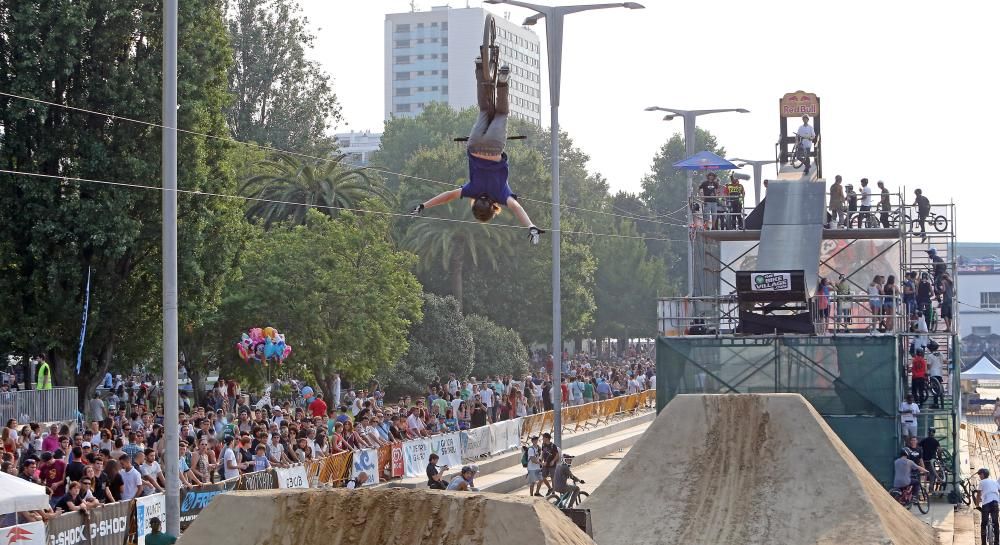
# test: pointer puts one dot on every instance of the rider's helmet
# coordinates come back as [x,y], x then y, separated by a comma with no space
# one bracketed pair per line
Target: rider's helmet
[567,459]
[983,473]
[805,118]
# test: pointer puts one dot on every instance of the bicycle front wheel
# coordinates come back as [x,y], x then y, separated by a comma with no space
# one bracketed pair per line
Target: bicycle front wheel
[578,499]
[922,500]
[940,224]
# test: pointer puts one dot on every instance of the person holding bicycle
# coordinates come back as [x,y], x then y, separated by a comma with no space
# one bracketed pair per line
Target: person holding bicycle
[805,137]
[923,210]
[929,447]
[866,218]
[987,500]
[561,478]
[906,474]
[884,204]
[935,368]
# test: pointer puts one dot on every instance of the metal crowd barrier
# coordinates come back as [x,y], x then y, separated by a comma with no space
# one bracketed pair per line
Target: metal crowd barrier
[26,406]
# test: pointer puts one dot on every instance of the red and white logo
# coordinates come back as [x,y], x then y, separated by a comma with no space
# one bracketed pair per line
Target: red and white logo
[25,534]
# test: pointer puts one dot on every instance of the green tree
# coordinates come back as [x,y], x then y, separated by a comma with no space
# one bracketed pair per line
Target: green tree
[665,193]
[499,350]
[628,283]
[437,125]
[308,183]
[282,99]
[441,344]
[55,230]
[336,287]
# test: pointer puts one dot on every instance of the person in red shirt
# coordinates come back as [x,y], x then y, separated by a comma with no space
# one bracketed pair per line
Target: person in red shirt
[318,406]
[918,384]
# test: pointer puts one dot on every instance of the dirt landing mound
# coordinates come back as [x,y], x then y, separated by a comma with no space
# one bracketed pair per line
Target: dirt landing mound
[746,469]
[380,517]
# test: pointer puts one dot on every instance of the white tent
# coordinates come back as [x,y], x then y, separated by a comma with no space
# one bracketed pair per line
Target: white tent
[17,494]
[985,368]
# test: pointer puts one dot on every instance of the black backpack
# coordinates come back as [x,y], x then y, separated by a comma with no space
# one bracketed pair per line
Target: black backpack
[524,456]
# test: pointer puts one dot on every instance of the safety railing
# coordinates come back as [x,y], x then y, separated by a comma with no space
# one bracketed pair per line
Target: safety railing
[26,406]
[703,315]
[857,314]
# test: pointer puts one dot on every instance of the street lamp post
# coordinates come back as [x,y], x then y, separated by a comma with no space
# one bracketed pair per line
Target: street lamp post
[554,16]
[689,117]
[758,167]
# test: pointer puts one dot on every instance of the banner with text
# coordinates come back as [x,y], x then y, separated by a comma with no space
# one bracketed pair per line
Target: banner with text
[506,435]
[32,533]
[193,500]
[448,447]
[146,508]
[476,442]
[415,454]
[258,480]
[106,525]
[292,477]
[397,460]
[365,460]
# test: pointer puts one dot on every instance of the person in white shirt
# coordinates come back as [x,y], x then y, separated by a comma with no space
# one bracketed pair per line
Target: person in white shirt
[230,467]
[534,468]
[908,411]
[131,478]
[149,469]
[987,499]
[806,136]
[935,369]
[652,382]
[866,203]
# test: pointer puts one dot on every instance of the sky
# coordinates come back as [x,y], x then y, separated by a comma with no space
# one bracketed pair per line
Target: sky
[907,88]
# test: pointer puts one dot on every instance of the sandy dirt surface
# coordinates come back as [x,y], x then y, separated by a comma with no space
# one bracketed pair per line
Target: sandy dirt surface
[393,516]
[746,469]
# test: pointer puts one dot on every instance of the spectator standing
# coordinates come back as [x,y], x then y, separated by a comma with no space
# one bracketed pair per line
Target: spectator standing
[928,452]
[843,299]
[131,479]
[947,293]
[837,202]
[534,468]
[866,203]
[806,136]
[935,369]
[923,211]
[734,195]
[852,204]
[884,205]
[918,383]
[908,411]
[156,537]
[710,189]
[909,287]
[318,406]
[875,301]
[822,306]
[549,460]
[889,292]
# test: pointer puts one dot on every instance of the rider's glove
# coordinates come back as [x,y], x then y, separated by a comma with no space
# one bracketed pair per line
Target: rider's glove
[534,234]
[417,209]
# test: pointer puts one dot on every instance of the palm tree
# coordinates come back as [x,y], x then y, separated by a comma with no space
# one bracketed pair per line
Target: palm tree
[451,243]
[289,186]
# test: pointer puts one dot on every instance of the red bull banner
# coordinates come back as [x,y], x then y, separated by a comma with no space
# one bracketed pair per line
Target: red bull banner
[798,104]
[397,460]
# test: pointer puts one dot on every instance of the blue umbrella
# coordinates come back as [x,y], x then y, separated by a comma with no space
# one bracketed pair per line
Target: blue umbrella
[705,160]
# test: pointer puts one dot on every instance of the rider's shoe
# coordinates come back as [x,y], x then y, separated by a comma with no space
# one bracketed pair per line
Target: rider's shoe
[504,76]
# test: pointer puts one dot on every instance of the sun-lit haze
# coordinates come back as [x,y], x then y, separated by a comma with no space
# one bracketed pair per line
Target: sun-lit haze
[908,89]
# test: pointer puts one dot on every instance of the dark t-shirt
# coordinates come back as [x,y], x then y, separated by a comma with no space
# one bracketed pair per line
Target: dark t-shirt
[488,178]
[550,452]
[75,470]
[923,206]
[116,485]
[709,189]
[928,448]
[478,417]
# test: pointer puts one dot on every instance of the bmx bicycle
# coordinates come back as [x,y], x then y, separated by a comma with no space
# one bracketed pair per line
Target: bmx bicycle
[908,498]
[567,500]
[799,154]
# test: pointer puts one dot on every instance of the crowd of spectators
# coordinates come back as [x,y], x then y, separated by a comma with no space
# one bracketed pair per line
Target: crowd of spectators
[114,453]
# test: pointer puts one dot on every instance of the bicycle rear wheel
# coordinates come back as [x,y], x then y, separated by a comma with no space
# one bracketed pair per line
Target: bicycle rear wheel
[922,500]
[490,51]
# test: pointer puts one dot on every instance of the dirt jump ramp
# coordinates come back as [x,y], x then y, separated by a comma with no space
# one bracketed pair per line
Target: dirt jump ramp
[747,470]
[392,516]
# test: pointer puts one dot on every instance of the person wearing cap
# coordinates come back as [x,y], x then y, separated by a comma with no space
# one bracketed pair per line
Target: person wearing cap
[734,195]
[940,268]
[534,468]
[904,469]
[806,137]
[550,458]
[929,447]
[157,537]
[710,189]
[464,481]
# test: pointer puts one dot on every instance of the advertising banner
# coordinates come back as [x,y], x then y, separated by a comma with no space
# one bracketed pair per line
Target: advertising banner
[448,447]
[193,500]
[397,460]
[506,435]
[146,508]
[476,442]
[769,281]
[258,480]
[107,525]
[365,460]
[415,454]
[292,477]
[32,533]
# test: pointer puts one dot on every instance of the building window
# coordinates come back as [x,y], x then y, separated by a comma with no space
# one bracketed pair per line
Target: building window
[420,89]
[444,26]
[434,24]
[981,330]
[420,72]
[420,57]
[434,40]
[420,105]
[420,25]
[444,73]
[402,107]
[989,299]
[434,88]
[402,91]
[444,57]
[403,28]
[420,40]
[444,41]
[444,90]
[402,76]
[402,43]
[403,59]
[434,72]
[434,56]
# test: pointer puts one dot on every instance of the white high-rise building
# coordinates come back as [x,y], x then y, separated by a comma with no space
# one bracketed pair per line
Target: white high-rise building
[429,58]
[358,146]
